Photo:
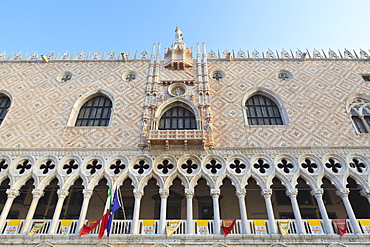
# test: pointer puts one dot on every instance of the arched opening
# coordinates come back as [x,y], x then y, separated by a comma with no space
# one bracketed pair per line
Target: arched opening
[255,204]
[307,203]
[46,205]
[151,201]
[262,111]
[360,204]
[177,117]
[280,201]
[229,203]
[333,203]
[73,203]
[128,200]
[176,205]
[4,106]
[22,203]
[97,200]
[3,195]
[95,112]
[203,204]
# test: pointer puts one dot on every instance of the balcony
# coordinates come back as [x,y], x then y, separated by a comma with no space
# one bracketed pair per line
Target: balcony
[124,227]
[176,137]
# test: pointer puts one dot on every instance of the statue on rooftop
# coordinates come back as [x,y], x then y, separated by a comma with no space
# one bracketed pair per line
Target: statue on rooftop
[178,35]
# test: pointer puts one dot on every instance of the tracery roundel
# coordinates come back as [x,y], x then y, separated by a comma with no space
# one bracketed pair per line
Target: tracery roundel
[309,165]
[25,165]
[117,166]
[189,166]
[237,166]
[94,166]
[285,165]
[47,166]
[165,166]
[213,165]
[141,166]
[261,165]
[358,165]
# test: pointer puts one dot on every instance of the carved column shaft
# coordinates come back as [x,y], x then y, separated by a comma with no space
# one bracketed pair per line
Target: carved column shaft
[343,193]
[135,219]
[215,193]
[243,210]
[62,194]
[189,193]
[164,193]
[292,194]
[85,205]
[12,194]
[37,194]
[324,215]
[270,212]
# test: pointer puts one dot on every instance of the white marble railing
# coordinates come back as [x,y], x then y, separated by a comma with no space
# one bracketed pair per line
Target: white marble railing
[124,227]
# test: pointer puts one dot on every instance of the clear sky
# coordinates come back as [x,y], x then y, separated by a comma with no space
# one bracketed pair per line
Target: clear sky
[121,25]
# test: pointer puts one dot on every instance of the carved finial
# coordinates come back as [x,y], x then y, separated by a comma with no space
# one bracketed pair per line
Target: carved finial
[332,54]
[80,55]
[96,56]
[255,54]
[18,56]
[65,55]
[178,35]
[144,55]
[50,55]
[111,55]
[348,54]
[363,54]
[285,54]
[270,54]
[316,54]
[241,54]
[212,55]
[34,56]
[298,53]
[2,55]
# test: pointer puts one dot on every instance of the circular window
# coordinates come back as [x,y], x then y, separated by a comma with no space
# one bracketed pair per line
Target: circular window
[64,76]
[218,75]
[177,89]
[284,75]
[129,76]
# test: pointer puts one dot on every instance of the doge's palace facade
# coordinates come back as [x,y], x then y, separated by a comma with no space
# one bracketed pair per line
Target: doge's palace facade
[188,135]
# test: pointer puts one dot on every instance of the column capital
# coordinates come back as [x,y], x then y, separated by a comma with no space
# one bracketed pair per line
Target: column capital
[266,193]
[365,192]
[88,193]
[164,193]
[12,193]
[291,193]
[241,192]
[189,193]
[317,192]
[344,192]
[62,193]
[215,192]
[138,193]
[37,193]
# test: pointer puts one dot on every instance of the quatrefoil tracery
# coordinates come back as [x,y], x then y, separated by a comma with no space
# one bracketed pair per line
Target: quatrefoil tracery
[189,166]
[261,165]
[47,166]
[237,166]
[333,165]
[117,167]
[358,165]
[285,165]
[24,166]
[141,166]
[166,166]
[70,166]
[3,165]
[309,165]
[94,166]
[213,165]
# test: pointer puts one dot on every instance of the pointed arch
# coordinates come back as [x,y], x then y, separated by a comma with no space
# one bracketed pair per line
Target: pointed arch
[271,101]
[177,102]
[358,110]
[5,104]
[85,98]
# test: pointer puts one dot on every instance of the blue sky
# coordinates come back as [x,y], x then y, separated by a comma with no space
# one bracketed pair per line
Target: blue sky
[93,25]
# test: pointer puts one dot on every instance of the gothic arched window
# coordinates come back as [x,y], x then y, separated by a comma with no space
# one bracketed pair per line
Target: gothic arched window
[95,112]
[4,106]
[359,110]
[262,111]
[177,118]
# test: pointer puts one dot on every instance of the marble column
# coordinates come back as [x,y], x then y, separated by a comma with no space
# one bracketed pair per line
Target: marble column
[215,193]
[343,193]
[243,210]
[138,194]
[267,193]
[12,194]
[189,193]
[37,194]
[365,193]
[164,193]
[317,193]
[62,194]
[81,221]
[292,194]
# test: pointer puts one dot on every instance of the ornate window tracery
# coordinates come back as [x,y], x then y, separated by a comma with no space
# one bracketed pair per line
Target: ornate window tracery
[177,118]
[262,111]
[95,112]
[359,110]
[4,106]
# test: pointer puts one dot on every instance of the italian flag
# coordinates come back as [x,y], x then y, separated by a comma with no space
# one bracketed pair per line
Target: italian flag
[104,220]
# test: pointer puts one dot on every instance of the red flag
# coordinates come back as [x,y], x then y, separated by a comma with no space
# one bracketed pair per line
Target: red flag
[104,224]
[91,224]
[341,225]
[227,226]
